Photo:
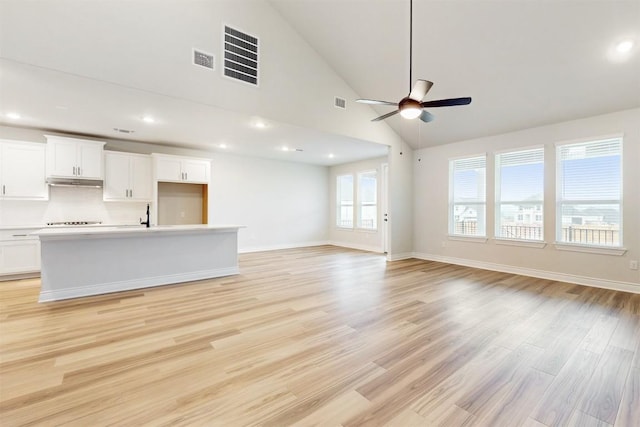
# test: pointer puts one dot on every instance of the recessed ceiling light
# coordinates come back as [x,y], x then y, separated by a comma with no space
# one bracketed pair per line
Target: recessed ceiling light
[331,156]
[285,148]
[222,145]
[13,116]
[624,46]
[260,124]
[148,119]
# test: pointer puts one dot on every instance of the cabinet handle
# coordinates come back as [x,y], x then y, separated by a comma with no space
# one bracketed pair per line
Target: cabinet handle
[79,171]
[74,171]
[3,189]
[186,176]
[130,193]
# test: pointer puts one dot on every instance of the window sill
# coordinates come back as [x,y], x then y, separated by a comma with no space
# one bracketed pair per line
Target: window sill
[538,244]
[602,250]
[474,239]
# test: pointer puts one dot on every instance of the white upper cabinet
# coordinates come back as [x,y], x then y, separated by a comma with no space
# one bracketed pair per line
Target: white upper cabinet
[22,171]
[127,177]
[182,169]
[74,158]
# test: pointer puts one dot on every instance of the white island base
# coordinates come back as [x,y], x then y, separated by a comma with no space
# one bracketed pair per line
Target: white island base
[92,261]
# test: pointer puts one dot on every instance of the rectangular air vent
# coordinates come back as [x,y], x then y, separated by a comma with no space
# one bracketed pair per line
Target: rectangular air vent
[203,59]
[340,103]
[240,56]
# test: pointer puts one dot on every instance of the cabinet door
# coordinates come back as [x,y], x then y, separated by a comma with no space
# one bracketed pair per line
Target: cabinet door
[169,169]
[196,170]
[23,172]
[141,187]
[116,179]
[19,257]
[62,158]
[90,157]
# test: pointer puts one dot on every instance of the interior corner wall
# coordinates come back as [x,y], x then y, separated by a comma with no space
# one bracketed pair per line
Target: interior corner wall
[431,206]
[369,240]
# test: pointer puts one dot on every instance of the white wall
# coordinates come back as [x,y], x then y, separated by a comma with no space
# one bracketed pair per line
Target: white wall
[282,204]
[368,240]
[431,206]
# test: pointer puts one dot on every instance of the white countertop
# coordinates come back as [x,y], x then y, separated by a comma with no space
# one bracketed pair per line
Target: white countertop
[117,231]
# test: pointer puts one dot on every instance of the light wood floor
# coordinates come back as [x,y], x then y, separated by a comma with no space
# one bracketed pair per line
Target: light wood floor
[325,336]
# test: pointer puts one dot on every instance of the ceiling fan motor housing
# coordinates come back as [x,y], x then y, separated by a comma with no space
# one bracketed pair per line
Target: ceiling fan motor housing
[409,108]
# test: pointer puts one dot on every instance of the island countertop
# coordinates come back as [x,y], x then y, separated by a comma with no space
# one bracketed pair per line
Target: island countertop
[128,230]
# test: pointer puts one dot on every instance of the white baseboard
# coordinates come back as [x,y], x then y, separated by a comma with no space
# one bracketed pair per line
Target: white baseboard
[279,247]
[128,285]
[367,248]
[541,274]
[400,256]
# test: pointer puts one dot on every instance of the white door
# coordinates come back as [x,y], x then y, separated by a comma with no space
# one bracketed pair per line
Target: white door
[116,179]
[385,207]
[23,172]
[90,160]
[62,158]
[195,170]
[141,187]
[168,169]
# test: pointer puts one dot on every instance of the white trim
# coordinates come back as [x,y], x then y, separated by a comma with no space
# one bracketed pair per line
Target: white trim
[368,248]
[474,239]
[515,150]
[602,250]
[590,139]
[279,247]
[518,242]
[134,284]
[400,256]
[541,274]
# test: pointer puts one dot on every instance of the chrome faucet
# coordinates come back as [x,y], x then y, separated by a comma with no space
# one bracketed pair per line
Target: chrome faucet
[147,223]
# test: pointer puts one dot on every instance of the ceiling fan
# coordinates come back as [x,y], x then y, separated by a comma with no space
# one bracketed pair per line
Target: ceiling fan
[412,106]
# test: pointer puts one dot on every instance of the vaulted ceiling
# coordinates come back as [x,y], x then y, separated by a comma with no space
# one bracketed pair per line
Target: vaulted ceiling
[89,67]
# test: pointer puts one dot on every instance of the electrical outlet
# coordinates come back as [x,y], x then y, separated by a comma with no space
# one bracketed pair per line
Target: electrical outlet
[633,264]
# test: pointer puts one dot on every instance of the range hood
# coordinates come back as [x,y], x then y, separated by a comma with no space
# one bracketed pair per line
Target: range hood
[75,182]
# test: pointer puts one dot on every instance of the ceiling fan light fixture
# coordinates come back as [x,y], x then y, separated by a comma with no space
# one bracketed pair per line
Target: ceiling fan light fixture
[410,108]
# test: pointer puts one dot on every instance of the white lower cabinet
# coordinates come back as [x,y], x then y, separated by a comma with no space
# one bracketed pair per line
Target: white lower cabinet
[19,252]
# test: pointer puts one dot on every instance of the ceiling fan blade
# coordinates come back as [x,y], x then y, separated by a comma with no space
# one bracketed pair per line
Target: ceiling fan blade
[384,116]
[447,102]
[420,89]
[426,116]
[376,102]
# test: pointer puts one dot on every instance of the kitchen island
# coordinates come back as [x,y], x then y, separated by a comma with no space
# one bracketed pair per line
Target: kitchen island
[78,262]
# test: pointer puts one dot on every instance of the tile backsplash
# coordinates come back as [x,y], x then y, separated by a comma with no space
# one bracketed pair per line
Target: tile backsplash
[70,204]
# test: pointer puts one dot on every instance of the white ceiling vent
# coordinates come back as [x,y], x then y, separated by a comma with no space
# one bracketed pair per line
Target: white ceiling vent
[204,59]
[340,103]
[240,56]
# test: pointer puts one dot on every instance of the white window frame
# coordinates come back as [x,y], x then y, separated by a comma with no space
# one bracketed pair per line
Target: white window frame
[339,204]
[498,196]
[360,204]
[584,247]
[481,227]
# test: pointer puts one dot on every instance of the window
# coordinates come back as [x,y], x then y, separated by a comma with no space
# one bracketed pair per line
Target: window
[344,215]
[367,200]
[589,193]
[467,196]
[520,194]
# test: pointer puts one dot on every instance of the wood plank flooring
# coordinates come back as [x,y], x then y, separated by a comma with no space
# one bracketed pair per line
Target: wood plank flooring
[325,336]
